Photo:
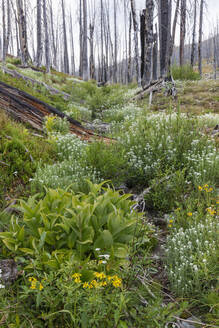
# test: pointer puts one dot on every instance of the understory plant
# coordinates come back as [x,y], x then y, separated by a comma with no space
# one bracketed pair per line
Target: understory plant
[64,225]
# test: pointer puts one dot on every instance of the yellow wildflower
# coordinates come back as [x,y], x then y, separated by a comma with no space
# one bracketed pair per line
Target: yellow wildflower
[117,282]
[41,287]
[85,285]
[100,261]
[206,186]
[170,221]
[200,188]
[210,189]
[33,286]
[77,280]
[103,283]
[32,279]
[189,213]
[100,275]
[76,275]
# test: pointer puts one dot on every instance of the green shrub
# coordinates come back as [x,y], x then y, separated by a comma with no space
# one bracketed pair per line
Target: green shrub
[56,124]
[184,73]
[63,224]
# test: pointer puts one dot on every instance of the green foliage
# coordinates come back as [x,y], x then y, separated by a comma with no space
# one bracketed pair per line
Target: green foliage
[185,73]
[56,124]
[19,153]
[13,61]
[63,224]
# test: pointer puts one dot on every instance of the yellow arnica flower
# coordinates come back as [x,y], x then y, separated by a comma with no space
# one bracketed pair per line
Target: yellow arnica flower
[169,225]
[76,275]
[100,275]
[103,283]
[85,285]
[200,188]
[77,280]
[41,286]
[205,186]
[189,214]
[100,261]
[210,189]
[32,279]
[170,221]
[33,287]
[117,283]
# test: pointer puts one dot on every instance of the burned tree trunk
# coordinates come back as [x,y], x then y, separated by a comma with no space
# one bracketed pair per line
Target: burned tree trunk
[47,54]
[164,15]
[155,54]
[182,32]
[135,26]
[200,38]
[85,54]
[39,34]
[147,42]
[66,60]
[22,32]
[194,35]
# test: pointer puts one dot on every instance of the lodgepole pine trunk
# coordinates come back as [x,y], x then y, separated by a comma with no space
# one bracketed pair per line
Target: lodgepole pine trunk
[135,27]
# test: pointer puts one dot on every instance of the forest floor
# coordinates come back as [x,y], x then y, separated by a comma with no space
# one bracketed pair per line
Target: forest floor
[84,259]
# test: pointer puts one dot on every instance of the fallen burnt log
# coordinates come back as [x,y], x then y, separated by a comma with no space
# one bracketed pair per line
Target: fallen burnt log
[28,109]
[51,90]
[156,86]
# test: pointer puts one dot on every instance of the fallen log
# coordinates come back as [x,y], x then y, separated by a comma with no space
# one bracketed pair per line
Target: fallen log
[155,86]
[51,90]
[28,109]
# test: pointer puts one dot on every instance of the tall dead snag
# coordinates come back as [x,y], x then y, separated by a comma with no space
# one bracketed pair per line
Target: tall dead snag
[46,32]
[182,32]
[66,60]
[130,50]
[200,37]
[174,28]
[91,40]
[115,43]
[54,41]
[147,42]
[4,51]
[135,27]
[164,15]
[155,54]
[194,34]
[22,32]
[72,48]
[85,54]
[39,34]
[80,39]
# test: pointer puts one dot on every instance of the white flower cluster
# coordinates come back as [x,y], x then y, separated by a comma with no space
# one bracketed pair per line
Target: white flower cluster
[1,286]
[71,168]
[187,255]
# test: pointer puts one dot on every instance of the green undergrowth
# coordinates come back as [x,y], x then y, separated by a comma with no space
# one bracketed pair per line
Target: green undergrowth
[20,154]
[85,255]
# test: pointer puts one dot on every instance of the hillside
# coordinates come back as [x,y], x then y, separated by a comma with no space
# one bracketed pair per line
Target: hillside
[120,233]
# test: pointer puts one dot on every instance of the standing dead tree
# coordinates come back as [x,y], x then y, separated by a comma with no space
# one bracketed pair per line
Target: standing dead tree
[200,37]
[135,27]
[147,42]
[194,34]
[182,32]
[22,32]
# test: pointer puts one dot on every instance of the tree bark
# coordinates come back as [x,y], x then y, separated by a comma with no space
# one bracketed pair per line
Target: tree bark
[85,53]
[194,35]
[200,38]
[182,32]
[22,32]
[47,54]
[66,60]
[39,34]
[135,26]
